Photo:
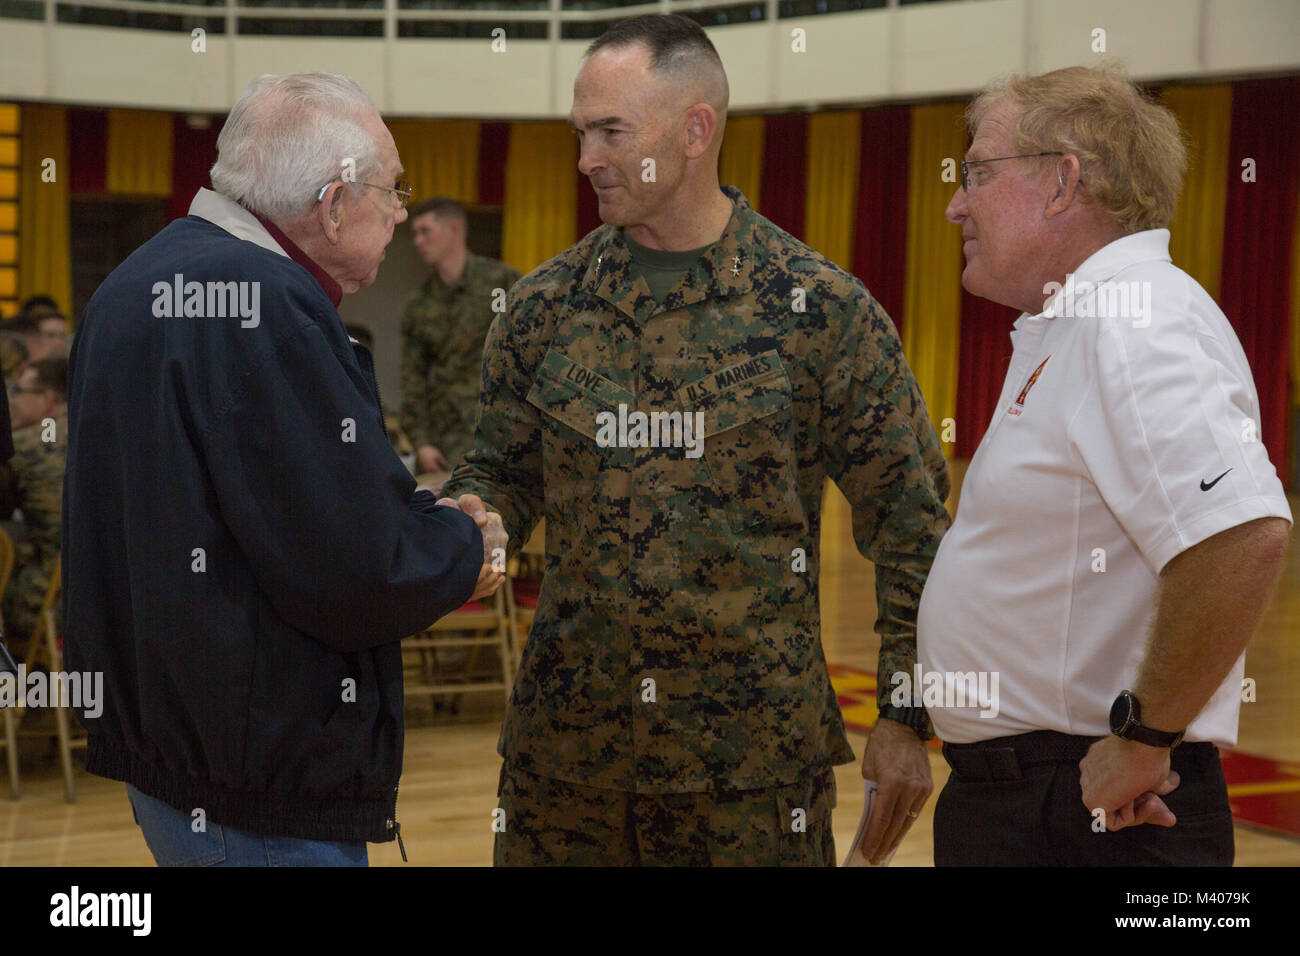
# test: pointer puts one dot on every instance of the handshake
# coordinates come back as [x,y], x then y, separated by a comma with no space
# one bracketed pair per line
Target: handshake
[493,571]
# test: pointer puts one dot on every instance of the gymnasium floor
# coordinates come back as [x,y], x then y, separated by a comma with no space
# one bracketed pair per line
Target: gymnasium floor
[448,790]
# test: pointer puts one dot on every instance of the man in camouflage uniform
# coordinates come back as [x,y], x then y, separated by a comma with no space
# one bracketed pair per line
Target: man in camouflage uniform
[443,328]
[33,482]
[673,703]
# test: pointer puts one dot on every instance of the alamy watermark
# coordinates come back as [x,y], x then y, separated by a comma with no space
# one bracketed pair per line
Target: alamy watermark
[75,689]
[1100,300]
[653,430]
[208,300]
[946,689]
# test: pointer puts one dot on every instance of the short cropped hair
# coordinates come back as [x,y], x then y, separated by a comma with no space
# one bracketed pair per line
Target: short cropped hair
[52,373]
[28,321]
[673,41]
[1130,148]
[444,207]
[39,299]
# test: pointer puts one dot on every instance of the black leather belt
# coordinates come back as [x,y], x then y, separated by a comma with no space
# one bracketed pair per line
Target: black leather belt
[1006,758]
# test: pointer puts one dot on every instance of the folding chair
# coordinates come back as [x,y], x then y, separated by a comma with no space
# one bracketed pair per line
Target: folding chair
[474,625]
[45,647]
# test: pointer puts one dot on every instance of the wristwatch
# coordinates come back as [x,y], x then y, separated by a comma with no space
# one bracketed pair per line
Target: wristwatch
[1126,722]
[914,717]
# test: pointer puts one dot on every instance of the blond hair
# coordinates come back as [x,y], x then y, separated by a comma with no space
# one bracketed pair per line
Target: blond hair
[1130,148]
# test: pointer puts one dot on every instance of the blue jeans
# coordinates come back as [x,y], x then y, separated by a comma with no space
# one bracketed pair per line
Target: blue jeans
[172,841]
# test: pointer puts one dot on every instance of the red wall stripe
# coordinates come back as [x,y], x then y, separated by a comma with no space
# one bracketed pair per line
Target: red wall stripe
[87,150]
[785,171]
[493,144]
[1259,225]
[880,228]
[193,153]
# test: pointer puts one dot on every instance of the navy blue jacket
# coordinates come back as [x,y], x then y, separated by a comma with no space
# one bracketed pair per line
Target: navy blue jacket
[238,569]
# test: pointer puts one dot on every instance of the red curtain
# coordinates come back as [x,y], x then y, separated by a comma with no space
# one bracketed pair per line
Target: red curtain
[785,171]
[87,150]
[1259,224]
[880,230]
[588,205]
[493,144]
[984,355]
[193,153]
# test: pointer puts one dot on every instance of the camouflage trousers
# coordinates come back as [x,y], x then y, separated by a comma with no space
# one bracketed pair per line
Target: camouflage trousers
[22,604]
[547,822]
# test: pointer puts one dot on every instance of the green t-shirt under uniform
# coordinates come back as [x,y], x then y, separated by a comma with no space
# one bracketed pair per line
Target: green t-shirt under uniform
[661,269]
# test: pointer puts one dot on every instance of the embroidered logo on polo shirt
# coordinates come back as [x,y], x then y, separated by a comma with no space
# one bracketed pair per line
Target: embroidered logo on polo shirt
[1024,392]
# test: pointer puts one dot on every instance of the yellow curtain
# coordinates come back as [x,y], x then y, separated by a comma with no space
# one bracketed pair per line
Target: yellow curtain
[932,291]
[830,202]
[44,255]
[9,132]
[440,156]
[831,191]
[1196,233]
[740,163]
[138,155]
[540,218]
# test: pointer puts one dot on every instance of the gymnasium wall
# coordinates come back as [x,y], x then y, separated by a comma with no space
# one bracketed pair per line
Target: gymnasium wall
[899,52]
[866,187]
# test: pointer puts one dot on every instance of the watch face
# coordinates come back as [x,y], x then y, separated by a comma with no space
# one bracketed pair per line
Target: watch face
[1119,714]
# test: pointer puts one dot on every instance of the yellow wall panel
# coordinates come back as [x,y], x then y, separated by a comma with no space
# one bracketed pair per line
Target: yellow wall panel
[932,297]
[1196,233]
[540,218]
[138,156]
[740,163]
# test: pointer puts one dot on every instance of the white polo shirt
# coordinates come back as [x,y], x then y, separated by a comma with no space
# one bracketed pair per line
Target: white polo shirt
[1120,440]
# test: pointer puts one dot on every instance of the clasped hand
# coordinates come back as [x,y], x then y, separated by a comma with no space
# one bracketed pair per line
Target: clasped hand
[495,539]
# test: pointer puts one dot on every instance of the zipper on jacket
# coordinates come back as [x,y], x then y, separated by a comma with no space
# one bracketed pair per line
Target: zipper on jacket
[396,827]
[368,366]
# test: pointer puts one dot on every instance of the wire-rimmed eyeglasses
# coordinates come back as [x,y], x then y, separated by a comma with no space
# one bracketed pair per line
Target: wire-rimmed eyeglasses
[401,190]
[965,177]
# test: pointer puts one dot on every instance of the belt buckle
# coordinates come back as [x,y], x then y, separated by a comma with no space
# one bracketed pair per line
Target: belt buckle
[1002,763]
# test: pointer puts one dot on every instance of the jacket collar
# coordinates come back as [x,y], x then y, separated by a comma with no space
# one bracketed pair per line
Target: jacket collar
[244,224]
[234,218]
[724,269]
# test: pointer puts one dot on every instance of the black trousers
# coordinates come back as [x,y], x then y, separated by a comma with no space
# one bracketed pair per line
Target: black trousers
[1019,803]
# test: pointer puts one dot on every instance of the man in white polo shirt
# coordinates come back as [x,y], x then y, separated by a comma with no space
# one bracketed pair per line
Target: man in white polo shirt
[1120,528]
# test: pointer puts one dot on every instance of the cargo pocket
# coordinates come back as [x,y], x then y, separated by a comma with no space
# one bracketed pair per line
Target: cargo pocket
[804,810]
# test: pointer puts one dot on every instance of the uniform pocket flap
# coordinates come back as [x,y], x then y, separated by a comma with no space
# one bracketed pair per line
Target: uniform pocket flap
[574,394]
[741,392]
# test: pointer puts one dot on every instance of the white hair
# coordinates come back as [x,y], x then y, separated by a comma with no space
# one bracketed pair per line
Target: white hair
[288,136]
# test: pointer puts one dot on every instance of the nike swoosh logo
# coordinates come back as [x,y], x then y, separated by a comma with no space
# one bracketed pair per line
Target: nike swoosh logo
[1207,487]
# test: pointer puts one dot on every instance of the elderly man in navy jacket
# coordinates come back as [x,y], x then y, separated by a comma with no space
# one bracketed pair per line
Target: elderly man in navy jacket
[243,551]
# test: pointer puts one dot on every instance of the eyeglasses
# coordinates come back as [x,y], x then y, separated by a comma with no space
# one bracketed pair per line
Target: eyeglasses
[401,191]
[15,389]
[965,178]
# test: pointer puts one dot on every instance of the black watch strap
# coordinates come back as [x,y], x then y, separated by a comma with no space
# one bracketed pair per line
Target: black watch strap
[1126,723]
[914,717]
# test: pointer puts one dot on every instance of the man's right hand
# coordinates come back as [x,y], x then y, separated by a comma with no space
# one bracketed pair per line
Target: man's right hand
[428,458]
[488,582]
[495,538]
